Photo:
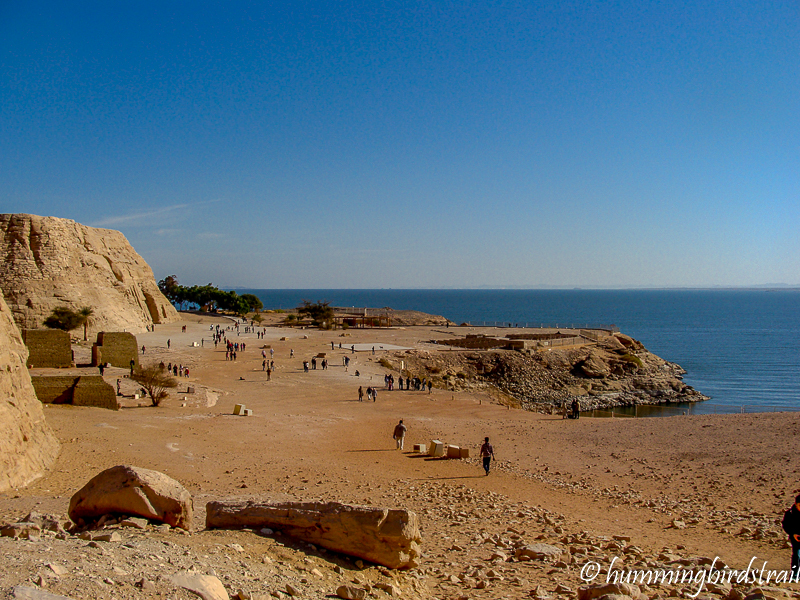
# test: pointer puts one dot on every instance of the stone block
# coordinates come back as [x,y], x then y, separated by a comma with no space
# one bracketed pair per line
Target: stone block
[453,452]
[47,348]
[92,390]
[463,452]
[247,412]
[86,390]
[421,448]
[116,348]
[238,409]
[436,448]
[190,390]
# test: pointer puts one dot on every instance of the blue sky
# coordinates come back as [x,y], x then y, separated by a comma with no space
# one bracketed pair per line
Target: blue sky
[414,144]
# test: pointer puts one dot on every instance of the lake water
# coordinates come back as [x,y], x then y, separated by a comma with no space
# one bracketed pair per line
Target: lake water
[741,347]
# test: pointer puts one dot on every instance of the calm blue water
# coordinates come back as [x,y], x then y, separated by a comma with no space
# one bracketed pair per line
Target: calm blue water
[741,347]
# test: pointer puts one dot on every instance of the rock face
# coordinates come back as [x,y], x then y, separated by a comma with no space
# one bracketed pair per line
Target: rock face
[131,490]
[50,262]
[27,445]
[612,370]
[388,537]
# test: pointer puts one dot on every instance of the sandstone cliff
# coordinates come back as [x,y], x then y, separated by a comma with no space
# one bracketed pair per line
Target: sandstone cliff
[27,445]
[50,262]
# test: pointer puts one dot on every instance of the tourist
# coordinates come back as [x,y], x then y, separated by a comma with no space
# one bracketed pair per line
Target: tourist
[487,454]
[118,392]
[399,434]
[360,394]
[369,394]
[576,409]
[269,374]
[791,525]
[169,342]
[430,385]
[143,349]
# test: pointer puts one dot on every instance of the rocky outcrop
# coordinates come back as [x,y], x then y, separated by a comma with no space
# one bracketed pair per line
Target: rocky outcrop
[611,371]
[50,262]
[27,445]
[388,537]
[131,490]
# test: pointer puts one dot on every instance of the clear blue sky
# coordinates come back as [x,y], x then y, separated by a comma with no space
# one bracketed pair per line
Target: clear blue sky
[414,144]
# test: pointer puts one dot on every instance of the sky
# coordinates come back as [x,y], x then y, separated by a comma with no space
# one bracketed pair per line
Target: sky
[414,144]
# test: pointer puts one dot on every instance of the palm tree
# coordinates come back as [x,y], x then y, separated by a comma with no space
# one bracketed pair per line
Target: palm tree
[84,314]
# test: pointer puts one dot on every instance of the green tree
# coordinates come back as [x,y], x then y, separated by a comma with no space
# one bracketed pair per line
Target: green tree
[155,380]
[63,318]
[169,286]
[320,313]
[84,313]
[253,302]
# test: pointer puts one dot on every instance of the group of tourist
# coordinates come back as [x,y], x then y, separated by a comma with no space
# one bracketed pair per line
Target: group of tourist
[176,369]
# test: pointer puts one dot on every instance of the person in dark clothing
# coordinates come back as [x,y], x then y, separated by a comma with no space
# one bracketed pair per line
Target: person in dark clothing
[487,454]
[791,525]
[576,409]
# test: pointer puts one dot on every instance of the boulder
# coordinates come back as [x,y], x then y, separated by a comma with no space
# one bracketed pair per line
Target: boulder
[593,366]
[50,262]
[538,552]
[388,537]
[590,592]
[129,490]
[207,587]
[27,444]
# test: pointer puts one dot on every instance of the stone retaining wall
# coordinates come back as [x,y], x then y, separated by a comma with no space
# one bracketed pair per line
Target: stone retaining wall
[81,390]
[116,348]
[47,348]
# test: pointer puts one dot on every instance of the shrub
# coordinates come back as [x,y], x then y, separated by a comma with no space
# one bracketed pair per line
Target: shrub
[155,381]
[385,363]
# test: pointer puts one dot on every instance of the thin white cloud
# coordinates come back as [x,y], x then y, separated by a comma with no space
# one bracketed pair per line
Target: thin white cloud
[149,214]
[209,235]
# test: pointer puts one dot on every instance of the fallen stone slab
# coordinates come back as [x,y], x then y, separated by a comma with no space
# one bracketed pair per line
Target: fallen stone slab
[22,592]
[388,537]
[538,552]
[207,587]
[129,490]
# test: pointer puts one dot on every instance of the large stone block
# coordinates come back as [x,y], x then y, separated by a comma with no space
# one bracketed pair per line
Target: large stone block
[48,348]
[385,536]
[117,348]
[92,390]
[436,448]
[453,452]
[84,390]
[129,490]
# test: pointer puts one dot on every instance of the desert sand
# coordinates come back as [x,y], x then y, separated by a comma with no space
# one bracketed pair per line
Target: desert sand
[669,489]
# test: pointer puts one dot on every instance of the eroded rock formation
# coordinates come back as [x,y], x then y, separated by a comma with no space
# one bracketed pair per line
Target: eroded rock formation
[50,262]
[27,445]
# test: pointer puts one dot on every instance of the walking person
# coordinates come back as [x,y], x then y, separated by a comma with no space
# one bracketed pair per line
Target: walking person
[360,394]
[487,454]
[791,525]
[399,434]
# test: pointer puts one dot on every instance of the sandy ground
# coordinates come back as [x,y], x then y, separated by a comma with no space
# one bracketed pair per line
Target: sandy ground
[725,479]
